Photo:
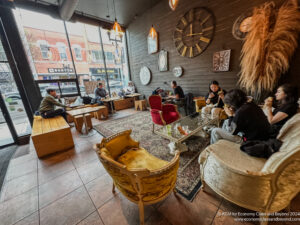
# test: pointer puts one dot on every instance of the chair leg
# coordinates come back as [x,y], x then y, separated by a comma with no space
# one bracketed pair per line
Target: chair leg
[141,209]
[203,186]
[152,127]
[113,189]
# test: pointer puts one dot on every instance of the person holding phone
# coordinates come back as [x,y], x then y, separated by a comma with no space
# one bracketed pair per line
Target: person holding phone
[214,100]
[48,105]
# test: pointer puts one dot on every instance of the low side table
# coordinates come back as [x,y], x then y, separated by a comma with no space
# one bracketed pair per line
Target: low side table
[140,105]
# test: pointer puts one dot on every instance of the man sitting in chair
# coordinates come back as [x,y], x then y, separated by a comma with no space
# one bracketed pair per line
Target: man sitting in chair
[100,93]
[48,104]
[178,97]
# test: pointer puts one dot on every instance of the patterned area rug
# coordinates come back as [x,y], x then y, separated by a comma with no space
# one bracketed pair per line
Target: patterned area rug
[188,180]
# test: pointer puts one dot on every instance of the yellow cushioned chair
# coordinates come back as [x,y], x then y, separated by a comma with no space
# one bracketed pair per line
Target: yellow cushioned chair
[140,176]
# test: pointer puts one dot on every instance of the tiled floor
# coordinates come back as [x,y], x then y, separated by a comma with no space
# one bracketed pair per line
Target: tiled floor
[72,187]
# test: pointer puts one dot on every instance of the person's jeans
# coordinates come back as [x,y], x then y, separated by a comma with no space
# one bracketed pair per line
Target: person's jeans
[53,113]
[224,133]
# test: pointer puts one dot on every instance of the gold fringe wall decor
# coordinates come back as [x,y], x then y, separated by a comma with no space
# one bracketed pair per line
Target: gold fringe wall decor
[269,45]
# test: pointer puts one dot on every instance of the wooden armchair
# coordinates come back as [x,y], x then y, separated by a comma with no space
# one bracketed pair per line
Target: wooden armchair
[141,177]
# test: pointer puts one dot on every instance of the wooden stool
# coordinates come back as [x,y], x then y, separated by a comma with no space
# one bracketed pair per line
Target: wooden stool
[88,118]
[140,105]
[78,120]
[103,112]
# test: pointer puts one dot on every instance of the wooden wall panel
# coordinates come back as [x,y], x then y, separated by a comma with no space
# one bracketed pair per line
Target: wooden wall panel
[197,71]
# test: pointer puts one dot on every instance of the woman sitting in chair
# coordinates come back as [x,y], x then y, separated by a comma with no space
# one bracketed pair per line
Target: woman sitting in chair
[214,100]
[287,106]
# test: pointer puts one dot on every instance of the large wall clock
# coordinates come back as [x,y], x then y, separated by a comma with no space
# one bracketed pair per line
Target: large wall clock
[242,25]
[194,32]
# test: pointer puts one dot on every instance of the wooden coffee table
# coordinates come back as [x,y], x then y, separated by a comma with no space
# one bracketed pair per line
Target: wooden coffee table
[83,111]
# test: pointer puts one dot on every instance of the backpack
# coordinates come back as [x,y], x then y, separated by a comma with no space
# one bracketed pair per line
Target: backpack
[86,99]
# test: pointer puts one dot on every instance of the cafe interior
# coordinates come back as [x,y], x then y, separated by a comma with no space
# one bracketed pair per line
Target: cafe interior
[149,112]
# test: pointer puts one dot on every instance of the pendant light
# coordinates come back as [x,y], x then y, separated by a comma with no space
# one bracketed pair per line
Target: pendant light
[173,4]
[116,27]
[152,31]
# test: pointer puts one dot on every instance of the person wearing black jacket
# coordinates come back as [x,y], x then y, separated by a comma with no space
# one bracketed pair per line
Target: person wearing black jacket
[246,120]
[214,100]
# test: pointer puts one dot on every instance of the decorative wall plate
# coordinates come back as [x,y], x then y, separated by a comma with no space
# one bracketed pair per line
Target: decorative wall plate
[145,75]
[242,25]
[221,60]
[163,60]
[177,71]
[194,32]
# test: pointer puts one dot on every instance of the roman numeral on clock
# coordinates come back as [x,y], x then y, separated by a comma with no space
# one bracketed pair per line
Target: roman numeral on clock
[184,51]
[183,20]
[204,39]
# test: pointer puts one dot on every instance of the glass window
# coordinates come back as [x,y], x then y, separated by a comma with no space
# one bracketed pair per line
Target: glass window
[109,56]
[96,56]
[87,51]
[44,48]
[77,51]
[91,67]
[116,63]
[2,53]
[62,51]
[13,102]
[44,39]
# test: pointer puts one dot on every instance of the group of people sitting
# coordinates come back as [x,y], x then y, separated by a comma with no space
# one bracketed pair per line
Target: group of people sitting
[246,120]
[48,105]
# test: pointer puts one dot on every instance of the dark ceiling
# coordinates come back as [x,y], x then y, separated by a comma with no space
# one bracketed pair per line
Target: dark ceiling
[126,10]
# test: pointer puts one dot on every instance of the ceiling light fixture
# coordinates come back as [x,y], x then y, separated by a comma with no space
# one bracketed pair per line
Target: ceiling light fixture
[116,27]
[152,32]
[173,4]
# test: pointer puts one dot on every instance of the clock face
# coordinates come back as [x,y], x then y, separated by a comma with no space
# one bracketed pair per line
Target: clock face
[242,25]
[194,32]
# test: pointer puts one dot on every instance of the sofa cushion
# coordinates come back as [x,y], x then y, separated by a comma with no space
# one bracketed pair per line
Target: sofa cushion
[230,154]
[289,135]
[139,158]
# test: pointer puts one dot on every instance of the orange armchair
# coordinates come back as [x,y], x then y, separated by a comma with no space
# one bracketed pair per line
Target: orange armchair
[162,114]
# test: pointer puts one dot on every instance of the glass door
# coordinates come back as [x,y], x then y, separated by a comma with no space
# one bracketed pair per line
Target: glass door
[5,134]
[14,121]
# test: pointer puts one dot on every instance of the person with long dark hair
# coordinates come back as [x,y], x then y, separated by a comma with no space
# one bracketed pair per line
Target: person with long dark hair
[214,100]
[244,118]
[287,106]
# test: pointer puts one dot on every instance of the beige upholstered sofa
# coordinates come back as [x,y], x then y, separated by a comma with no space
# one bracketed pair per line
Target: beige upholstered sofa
[254,183]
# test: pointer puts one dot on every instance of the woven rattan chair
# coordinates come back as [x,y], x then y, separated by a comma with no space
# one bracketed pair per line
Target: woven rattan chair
[141,177]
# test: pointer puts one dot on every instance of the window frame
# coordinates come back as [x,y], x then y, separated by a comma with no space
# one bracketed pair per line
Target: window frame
[60,46]
[77,47]
[94,59]
[45,44]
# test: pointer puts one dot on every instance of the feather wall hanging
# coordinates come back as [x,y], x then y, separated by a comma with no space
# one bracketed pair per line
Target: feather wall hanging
[269,45]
